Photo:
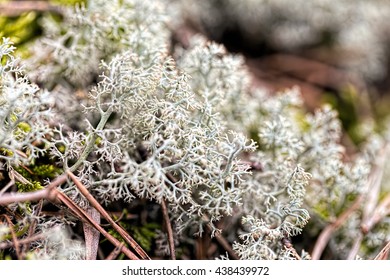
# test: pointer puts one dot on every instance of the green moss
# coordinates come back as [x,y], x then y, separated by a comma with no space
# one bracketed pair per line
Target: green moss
[35,175]
[67,2]
[20,29]
[25,127]
[145,235]
[46,171]
[348,103]
[33,186]
[6,152]
[321,210]
[301,119]
[18,232]
[21,130]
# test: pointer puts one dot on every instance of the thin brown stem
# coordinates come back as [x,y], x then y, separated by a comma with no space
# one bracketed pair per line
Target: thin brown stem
[380,212]
[384,253]
[114,254]
[14,238]
[32,226]
[168,226]
[327,232]
[355,248]
[226,245]
[6,245]
[46,193]
[86,218]
[104,214]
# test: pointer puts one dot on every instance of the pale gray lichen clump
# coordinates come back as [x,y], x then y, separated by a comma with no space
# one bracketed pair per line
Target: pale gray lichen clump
[175,129]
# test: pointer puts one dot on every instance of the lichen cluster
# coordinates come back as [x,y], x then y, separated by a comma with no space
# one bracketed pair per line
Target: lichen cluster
[135,120]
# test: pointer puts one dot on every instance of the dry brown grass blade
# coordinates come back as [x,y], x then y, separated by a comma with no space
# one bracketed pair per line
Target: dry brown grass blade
[86,218]
[379,213]
[327,232]
[91,235]
[14,239]
[355,247]
[373,188]
[114,254]
[384,253]
[168,226]
[9,198]
[104,214]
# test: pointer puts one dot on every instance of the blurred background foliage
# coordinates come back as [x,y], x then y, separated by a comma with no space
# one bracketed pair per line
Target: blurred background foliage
[20,20]
[336,52]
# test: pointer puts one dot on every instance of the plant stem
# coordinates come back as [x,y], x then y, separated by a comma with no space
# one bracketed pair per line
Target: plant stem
[105,215]
[86,218]
[91,140]
[168,225]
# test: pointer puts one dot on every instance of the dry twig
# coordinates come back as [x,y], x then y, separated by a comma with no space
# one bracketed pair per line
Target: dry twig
[384,253]
[46,193]
[114,254]
[91,235]
[168,225]
[327,232]
[355,248]
[86,218]
[373,189]
[104,214]
[380,212]
[32,226]
[15,240]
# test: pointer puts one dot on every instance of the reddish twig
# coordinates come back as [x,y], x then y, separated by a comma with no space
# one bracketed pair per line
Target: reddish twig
[104,214]
[15,240]
[86,218]
[384,253]
[46,193]
[327,232]
[114,254]
[168,226]
[356,246]
[380,212]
